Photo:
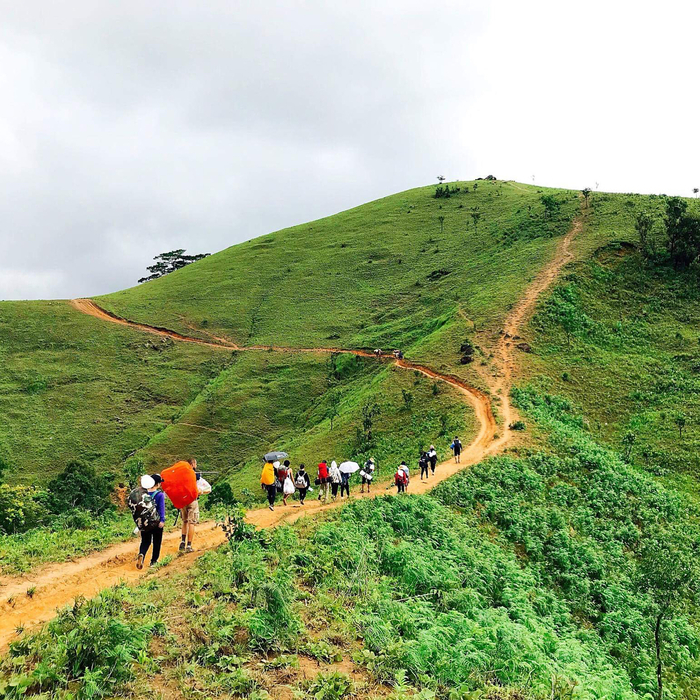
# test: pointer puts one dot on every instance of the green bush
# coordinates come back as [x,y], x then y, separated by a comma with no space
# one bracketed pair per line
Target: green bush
[79,486]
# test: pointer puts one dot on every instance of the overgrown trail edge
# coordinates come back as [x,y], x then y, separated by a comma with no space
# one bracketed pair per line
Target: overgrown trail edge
[57,585]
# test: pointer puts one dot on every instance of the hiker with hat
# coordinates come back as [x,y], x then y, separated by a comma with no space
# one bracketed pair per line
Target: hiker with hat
[147,504]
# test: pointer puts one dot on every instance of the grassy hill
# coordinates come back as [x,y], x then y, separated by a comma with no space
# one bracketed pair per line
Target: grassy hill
[564,569]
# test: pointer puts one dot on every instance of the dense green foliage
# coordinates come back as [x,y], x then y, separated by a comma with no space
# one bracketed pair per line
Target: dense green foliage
[619,338]
[580,519]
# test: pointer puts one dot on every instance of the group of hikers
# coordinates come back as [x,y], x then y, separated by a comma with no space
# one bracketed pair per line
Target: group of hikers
[183,484]
[147,504]
[398,354]
[278,478]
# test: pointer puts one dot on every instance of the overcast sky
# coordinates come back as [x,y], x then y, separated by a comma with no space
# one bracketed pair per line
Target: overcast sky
[129,128]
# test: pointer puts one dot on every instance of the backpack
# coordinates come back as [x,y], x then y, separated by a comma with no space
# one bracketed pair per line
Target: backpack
[300,481]
[400,477]
[143,509]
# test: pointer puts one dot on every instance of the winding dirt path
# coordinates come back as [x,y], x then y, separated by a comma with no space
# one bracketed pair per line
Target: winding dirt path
[57,585]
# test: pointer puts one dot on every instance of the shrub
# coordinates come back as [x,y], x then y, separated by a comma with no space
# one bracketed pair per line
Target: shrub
[19,510]
[79,486]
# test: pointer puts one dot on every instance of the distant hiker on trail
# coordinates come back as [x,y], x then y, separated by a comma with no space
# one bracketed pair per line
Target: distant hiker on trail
[323,481]
[147,504]
[268,481]
[378,352]
[336,478]
[456,448]
[302,482]
[423,463]
[398,354]
[367,474]
[432,456]
[190,516]
[345,484]
[401,478]
[285,476]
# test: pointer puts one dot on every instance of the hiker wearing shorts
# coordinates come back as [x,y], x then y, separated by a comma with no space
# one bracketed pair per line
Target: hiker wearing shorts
[456,448]
[190,518]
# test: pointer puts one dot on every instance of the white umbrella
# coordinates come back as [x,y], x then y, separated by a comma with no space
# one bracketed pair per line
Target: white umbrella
[349,467]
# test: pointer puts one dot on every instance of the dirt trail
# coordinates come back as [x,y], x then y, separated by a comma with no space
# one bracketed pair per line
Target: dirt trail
[516,319]
[57,585]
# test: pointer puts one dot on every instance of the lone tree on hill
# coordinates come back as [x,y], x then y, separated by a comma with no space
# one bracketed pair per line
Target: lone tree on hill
[682,231]
[668,572]
[169,262]
[586,192]
[441,219]
[696,190]
[476,215]
[551,205]
[441,179]
[681,420]
[643,223]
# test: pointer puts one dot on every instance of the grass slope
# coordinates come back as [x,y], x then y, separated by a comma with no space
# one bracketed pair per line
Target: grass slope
[385,274]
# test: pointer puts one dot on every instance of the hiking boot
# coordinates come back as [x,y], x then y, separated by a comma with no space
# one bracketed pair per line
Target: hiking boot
[181,548]
[271,507]
[153,563]
[188,549]
[139,561]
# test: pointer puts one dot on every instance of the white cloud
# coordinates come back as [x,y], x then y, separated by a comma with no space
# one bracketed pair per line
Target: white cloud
[128,128]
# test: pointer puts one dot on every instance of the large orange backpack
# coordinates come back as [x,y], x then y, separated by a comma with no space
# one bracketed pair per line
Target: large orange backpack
[180,484]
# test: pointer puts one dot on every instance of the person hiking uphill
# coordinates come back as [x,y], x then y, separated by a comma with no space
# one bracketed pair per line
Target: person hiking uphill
[302,482]
[336,479]
[268,481]
[284,473]
[344,484]
[456,448]
[401,478]
[367,474]
[190,515]
[150,519]
[423,463]
[323,481]
[432,457]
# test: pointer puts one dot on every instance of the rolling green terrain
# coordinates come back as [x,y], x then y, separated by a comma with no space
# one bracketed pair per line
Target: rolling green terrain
[565,569]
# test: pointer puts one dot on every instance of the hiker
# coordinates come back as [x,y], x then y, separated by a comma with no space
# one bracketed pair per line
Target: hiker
[336,478]
[398,354]
[432,456]
[456,448]
[285,476]
[147,505]
[302,482]
[378,352]
[268,481]
[401,478]
[322,481]
[367,474]
[423,463]
[189,515]
[404,468]
[345,484]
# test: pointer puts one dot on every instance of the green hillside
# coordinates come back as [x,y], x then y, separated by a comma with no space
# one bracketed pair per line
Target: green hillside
[386,274]
[564,569]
